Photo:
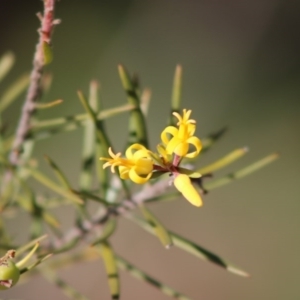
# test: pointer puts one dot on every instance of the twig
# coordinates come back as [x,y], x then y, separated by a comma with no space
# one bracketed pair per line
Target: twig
[96,223]
[34,89]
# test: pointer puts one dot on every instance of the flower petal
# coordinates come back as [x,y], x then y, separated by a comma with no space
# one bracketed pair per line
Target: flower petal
[132,149]
[135,177]
[197,144]
[168,130]
[183,184]
[124,172]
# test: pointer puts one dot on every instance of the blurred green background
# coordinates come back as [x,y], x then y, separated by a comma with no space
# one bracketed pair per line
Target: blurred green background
[241,63]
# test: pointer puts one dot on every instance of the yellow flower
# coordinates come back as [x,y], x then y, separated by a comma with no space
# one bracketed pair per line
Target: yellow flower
[137,165]
[183,184]
[182,137]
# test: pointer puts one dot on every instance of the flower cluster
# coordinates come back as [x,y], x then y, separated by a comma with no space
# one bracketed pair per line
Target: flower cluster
[178,142]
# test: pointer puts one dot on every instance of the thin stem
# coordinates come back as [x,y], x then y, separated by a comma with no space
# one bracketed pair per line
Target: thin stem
[34,90]
[96,223]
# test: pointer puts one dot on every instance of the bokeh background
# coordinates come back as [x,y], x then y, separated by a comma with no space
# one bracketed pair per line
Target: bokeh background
[241,62]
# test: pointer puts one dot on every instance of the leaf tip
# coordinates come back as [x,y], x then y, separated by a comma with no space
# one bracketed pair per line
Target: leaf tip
[169,246]
[237,271]
[245,149]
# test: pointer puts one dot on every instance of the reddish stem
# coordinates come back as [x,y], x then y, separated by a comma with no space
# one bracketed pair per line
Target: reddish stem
[34,89]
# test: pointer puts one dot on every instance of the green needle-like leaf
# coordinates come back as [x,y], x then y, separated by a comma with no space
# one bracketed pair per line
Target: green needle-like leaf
[27,257]
[157,174]
[35,209]
[13,91]
[111,269]
[137,273]
[39,261]
[100,132]
[204,254]
[102,142]
[48,104]
[137,124]
[111,112]
[50,219]
[190,173]
[224,161]
[160,231]
[176,94]
[89,134]
[207,142]
[90,196]
[241,173]
[68,290]
[6,62]
[27,200]
[58,172]
[30,244]
[80,118]
[54,186]
[193,248]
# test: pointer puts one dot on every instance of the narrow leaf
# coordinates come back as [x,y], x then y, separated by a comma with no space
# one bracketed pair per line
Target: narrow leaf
[241,173]
[27,205]
[111,112]
[137,124]
[6,62]
[102,142]
[111,269]
[54,186]
[78,120]
[160,231]
[157,174]
[25,259]
[50,219]
[207,142]
[193,248]
[89,137]
[137,273]
[176,94]
[58,172]
[39,261]
[13,91]
[224,161]
[48,104]
[90,196]
[27,246]
[101,135]
[204,254]
[190,173]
